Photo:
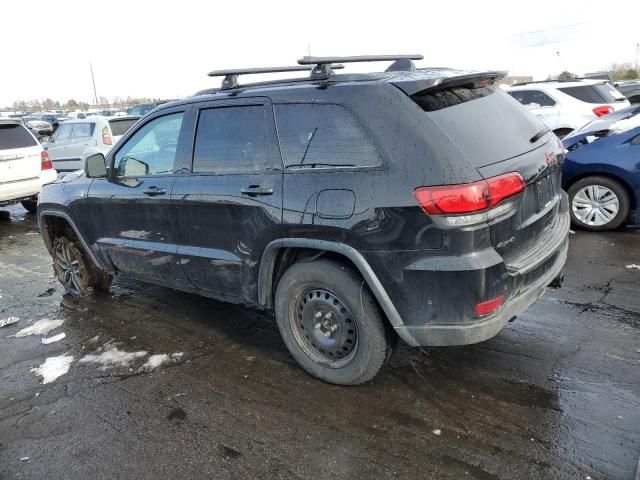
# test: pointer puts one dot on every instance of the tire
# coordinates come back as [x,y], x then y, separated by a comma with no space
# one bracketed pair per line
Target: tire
[355,351]
[75,271]
[30,206]
[610,196]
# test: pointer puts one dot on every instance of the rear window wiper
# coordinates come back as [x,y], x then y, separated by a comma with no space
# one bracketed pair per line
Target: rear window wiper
[539,135]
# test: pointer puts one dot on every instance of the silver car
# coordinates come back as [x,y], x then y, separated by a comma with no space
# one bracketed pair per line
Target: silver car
[74,137]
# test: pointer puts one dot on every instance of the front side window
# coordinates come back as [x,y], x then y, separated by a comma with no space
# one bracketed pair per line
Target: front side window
[152,149]
[232,140]
[533,97]
[323,135]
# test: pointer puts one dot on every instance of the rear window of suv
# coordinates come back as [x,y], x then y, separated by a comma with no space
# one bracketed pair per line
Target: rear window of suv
[119,127]
[323,135]
[15,136]
[600,93]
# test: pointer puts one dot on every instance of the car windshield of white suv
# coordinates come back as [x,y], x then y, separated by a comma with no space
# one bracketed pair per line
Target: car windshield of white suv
[15,136]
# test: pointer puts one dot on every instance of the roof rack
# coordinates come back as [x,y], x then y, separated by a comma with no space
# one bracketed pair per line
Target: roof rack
[231,75]
[322,68]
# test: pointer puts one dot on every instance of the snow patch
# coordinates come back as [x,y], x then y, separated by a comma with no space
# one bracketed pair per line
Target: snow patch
[633,266]
[8,321]
[114,358]
[55,338]
[155,361]
[53,367]
[41,327]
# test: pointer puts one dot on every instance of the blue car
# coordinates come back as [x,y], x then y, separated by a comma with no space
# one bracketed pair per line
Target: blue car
[601,171]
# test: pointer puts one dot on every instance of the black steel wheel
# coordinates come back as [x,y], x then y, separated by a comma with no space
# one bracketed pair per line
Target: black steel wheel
[330,322]
[323,325]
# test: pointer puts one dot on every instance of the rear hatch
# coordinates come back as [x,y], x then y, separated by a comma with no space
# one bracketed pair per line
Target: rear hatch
[19,153]
[495,134]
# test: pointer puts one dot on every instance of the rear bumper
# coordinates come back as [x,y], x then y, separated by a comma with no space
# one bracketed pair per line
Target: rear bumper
[440,308]
[12,192]
[465,334]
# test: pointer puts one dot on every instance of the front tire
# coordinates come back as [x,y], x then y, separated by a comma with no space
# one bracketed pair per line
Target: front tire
[74,269]
[331,323]
[598,203]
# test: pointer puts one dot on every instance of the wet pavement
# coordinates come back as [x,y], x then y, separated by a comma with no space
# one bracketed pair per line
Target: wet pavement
[555,395]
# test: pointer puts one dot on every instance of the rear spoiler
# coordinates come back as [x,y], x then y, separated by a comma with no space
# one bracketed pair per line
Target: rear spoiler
[412,84]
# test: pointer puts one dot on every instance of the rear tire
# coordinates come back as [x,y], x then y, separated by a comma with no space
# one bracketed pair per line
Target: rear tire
[331,323]
[30,206]
[598,203]
[75,271]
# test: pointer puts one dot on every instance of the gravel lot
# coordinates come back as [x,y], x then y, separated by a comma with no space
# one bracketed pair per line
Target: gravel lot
[555,395]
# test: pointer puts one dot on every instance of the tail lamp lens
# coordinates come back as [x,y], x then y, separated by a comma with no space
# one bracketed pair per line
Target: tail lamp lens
[469,197]
[45,161]
[106,137]
[602,110]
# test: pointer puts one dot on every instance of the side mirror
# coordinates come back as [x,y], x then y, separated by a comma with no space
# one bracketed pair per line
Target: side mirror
[95,166]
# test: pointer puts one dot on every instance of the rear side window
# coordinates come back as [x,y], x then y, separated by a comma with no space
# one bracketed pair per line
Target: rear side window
[591,93]
[15,136]
[119,127]
[232,140]
[64,132]
[323,135]
[529,97]
[83,130]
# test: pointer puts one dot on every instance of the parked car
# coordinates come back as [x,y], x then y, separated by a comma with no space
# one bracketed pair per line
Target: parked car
[54,119]
[564,105]
[423,204]
[602,171]
[24,165]
[144,108]
[74,137]
[630,89]
[42,129]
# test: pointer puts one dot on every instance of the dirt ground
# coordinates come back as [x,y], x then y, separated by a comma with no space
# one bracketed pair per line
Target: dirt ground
[555,395]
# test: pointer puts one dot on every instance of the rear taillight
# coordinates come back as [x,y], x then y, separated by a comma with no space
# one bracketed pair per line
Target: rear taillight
[106,137]
[469,197]
[45,161]
[602,110]
[490,306]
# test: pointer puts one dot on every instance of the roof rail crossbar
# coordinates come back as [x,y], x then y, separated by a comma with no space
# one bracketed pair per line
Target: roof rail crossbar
[322,68]
[231,75]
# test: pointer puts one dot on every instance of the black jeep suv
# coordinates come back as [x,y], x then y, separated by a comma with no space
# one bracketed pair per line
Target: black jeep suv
[422,203]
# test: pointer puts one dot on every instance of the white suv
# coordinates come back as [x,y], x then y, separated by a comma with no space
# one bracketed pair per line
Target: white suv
[74,137]
[564,105]
[24,165]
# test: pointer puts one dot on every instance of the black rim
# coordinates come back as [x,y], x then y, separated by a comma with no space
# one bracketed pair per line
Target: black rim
[324,327]
[68,268]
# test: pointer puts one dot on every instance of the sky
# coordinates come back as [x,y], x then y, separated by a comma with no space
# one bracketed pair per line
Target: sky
[162,49]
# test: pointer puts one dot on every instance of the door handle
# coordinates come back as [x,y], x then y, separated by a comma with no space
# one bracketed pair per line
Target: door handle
[255,190]
[153,191]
